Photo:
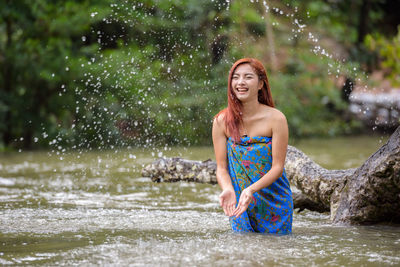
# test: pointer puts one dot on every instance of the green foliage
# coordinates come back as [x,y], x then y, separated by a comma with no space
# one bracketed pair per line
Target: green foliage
[309,98]
[99,74]
[389,51]
[39,40]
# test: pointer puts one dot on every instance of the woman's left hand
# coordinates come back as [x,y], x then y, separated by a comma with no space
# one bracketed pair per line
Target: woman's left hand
[244,201]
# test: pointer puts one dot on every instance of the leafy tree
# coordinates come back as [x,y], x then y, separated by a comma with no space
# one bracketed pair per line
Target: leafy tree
[389,52]
[41,46]
[99,74]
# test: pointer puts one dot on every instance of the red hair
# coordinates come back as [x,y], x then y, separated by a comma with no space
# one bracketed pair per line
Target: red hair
[233,113]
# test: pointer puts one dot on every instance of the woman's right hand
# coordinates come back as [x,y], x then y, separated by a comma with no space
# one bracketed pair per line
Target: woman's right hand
[227,200]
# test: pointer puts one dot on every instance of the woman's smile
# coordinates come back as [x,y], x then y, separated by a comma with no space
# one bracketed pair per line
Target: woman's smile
[242,90]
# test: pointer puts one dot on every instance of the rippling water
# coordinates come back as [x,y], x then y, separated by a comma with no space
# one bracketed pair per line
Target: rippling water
[95,209]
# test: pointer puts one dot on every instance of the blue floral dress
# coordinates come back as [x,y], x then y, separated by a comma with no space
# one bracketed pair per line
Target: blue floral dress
[248,161]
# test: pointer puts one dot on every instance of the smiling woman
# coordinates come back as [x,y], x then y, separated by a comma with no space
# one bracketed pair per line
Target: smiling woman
[250,141]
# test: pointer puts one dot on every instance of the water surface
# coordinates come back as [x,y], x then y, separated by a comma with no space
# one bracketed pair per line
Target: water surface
[94,208]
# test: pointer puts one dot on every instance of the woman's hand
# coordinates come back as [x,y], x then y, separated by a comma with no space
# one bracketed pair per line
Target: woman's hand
[227,200]
[245,199]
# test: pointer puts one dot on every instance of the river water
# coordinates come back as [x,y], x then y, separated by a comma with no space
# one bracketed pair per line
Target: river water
[94,208]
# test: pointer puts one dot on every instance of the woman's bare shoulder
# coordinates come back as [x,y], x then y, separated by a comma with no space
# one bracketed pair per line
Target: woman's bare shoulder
[219,119]
[274,114]
[219,122]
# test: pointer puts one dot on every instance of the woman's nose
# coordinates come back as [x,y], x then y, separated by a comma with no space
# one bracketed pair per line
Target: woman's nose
[241,80]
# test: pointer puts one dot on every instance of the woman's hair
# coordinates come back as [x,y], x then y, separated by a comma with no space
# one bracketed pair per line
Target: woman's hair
[233,113]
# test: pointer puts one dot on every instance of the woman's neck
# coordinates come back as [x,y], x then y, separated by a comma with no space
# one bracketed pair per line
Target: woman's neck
[249,109]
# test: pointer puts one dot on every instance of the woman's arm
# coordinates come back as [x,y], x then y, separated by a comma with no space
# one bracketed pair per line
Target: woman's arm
[227,198]
[280,136]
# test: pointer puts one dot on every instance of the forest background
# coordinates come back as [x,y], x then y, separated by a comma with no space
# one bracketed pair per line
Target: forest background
[105,74]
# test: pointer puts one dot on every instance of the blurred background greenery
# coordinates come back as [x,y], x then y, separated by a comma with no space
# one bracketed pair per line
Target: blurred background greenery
[103,74]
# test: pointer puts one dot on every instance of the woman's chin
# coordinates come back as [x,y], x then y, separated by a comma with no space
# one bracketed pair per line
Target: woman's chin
[243,98]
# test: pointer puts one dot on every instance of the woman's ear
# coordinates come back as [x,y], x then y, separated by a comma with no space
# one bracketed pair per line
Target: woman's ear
[260,84]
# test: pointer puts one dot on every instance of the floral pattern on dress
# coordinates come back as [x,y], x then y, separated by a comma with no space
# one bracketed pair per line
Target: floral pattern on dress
[272,211]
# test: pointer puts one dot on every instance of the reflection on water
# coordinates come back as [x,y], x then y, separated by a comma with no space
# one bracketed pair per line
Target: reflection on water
[97,210]
[341,152]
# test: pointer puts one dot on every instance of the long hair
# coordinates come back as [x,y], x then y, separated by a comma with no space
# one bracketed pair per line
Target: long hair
[233,113]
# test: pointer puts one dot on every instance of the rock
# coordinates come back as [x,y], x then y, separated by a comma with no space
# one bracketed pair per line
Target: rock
[372,193]
[178,169]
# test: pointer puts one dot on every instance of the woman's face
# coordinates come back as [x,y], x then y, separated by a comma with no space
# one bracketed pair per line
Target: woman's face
[245,83]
